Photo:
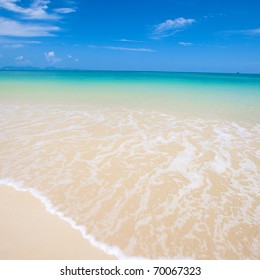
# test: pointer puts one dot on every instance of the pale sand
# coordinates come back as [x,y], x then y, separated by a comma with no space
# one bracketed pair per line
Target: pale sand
[28,231]
[148,184]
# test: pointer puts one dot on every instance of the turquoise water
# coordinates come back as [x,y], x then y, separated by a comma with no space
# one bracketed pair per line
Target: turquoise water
[232,96]
[131,76]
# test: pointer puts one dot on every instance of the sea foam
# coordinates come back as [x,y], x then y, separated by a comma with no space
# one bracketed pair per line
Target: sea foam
[136,182]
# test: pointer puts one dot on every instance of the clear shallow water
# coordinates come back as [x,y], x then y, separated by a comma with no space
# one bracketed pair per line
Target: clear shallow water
[209,95]
[139,180]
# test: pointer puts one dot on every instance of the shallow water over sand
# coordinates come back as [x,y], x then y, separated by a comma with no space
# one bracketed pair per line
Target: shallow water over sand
[142,182]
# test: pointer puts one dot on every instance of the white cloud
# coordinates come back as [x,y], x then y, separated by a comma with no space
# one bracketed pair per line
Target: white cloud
[19,58]
[129,41]
[65,10]
[69,56]
[37,9]
[77,60]
[51,58]
[49,54]
[121,48]
[185,44]
[170,27]
[129,49]
[247,32]
[14,41]
[15,28]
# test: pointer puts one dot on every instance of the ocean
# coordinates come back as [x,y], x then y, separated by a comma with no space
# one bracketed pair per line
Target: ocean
[152,165]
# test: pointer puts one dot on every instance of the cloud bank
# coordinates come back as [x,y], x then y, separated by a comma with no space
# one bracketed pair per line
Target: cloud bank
[36,20]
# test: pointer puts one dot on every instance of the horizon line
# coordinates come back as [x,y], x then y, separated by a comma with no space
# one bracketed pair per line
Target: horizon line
[32,68]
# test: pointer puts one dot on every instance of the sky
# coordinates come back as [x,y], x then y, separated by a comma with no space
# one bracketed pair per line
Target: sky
[145,35]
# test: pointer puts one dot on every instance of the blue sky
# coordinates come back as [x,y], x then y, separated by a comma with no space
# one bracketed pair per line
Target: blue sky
[163,35]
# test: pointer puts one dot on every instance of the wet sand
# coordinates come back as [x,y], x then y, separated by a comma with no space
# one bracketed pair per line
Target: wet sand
[28,231]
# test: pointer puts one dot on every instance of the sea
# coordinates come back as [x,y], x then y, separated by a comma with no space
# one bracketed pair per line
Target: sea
[147,165]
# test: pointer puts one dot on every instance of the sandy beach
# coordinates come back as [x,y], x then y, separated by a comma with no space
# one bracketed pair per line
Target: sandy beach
[143,184]
[28,231]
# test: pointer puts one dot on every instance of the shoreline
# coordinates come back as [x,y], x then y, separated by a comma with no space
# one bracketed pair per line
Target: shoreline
[39,234]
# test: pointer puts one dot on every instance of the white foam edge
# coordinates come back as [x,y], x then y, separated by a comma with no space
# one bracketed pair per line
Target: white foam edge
[111,250]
